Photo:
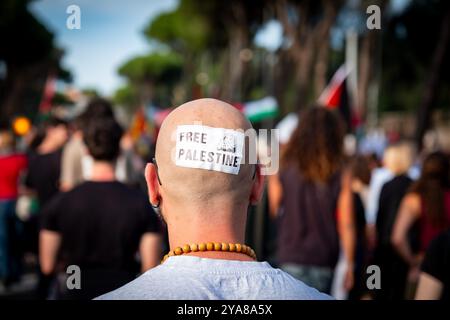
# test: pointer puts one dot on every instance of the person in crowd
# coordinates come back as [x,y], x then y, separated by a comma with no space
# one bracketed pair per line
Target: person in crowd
[391,264]
[12,166]
[313,200]
[428,204]
[434,279]
[76,161]
[72,171]
[45,160]
[42,183]
[72,155]
[360,173]
[99,226]
[204,201]
[381,175]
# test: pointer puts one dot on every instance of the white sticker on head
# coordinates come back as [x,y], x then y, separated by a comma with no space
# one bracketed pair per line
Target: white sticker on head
[209,148]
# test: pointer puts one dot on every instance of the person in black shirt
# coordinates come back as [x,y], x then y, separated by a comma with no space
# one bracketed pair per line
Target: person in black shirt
[99,226]
[45,160]
[42,181]
[393,268]
[434,280]
[360,171]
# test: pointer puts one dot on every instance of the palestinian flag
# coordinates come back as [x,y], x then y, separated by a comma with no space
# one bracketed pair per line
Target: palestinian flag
[335,96]
[262,109]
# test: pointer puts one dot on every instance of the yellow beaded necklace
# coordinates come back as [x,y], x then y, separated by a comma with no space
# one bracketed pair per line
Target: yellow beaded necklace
[211,246]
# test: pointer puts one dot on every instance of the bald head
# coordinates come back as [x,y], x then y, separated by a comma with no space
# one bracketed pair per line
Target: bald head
[186,184]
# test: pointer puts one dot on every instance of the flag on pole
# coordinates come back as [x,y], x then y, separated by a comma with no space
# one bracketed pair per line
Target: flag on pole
[261,109]
[335,95]
[139,125]
[331,96]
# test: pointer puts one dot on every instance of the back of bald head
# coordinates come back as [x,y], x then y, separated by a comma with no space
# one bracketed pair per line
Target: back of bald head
[191,185]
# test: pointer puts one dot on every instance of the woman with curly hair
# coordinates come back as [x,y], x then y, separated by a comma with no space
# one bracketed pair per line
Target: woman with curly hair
[312,199]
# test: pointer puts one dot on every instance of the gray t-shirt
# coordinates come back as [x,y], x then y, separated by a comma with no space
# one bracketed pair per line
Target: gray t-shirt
[193,278]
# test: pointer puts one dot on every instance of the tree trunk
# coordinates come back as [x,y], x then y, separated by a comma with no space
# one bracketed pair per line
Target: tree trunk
[14,89]
[146,92]
[238,40]
[432,85]
[310,45]
[304,61]
[365,71]
[323,46]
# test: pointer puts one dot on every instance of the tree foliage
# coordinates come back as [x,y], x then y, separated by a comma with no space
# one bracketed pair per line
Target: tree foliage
[156,67]
[218,56]
[126,96]
[29,56]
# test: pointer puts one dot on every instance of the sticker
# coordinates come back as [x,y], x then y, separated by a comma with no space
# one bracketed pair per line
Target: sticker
[209,148]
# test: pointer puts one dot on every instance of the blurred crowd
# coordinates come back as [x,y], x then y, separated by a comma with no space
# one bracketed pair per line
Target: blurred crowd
[354,210]
[73,193]
[87,169]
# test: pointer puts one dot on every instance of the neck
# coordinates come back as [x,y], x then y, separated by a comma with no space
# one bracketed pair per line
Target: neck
[224,226]
[103,171]
[47,146]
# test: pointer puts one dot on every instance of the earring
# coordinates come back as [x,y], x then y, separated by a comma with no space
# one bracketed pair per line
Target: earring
[156,206]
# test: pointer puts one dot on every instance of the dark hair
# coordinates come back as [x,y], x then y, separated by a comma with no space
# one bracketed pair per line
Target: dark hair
[360,168]
[316,145]
[41,130]
[97,108]
[432,184]
[54,122]
[102,138]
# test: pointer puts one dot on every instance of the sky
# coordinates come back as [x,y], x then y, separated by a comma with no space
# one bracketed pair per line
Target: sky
[110,34]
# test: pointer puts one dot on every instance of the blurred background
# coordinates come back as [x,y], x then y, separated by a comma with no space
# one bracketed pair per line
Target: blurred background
[271,59]
[145,54]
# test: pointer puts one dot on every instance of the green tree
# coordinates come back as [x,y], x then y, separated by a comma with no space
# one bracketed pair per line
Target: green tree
[213,31]
[415,71]
[127,96]
[307,26]
[147,73]
[29,56]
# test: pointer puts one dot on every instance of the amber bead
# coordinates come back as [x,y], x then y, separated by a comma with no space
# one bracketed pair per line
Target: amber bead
[211,246]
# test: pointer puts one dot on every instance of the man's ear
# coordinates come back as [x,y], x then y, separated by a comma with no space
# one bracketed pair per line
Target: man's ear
[151,177]
[258,186]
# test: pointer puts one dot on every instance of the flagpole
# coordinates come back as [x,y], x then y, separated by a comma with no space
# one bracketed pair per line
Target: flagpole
[351,63]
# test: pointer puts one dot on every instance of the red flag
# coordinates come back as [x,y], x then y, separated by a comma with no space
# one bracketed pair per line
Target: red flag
[335,96]
[331,96]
